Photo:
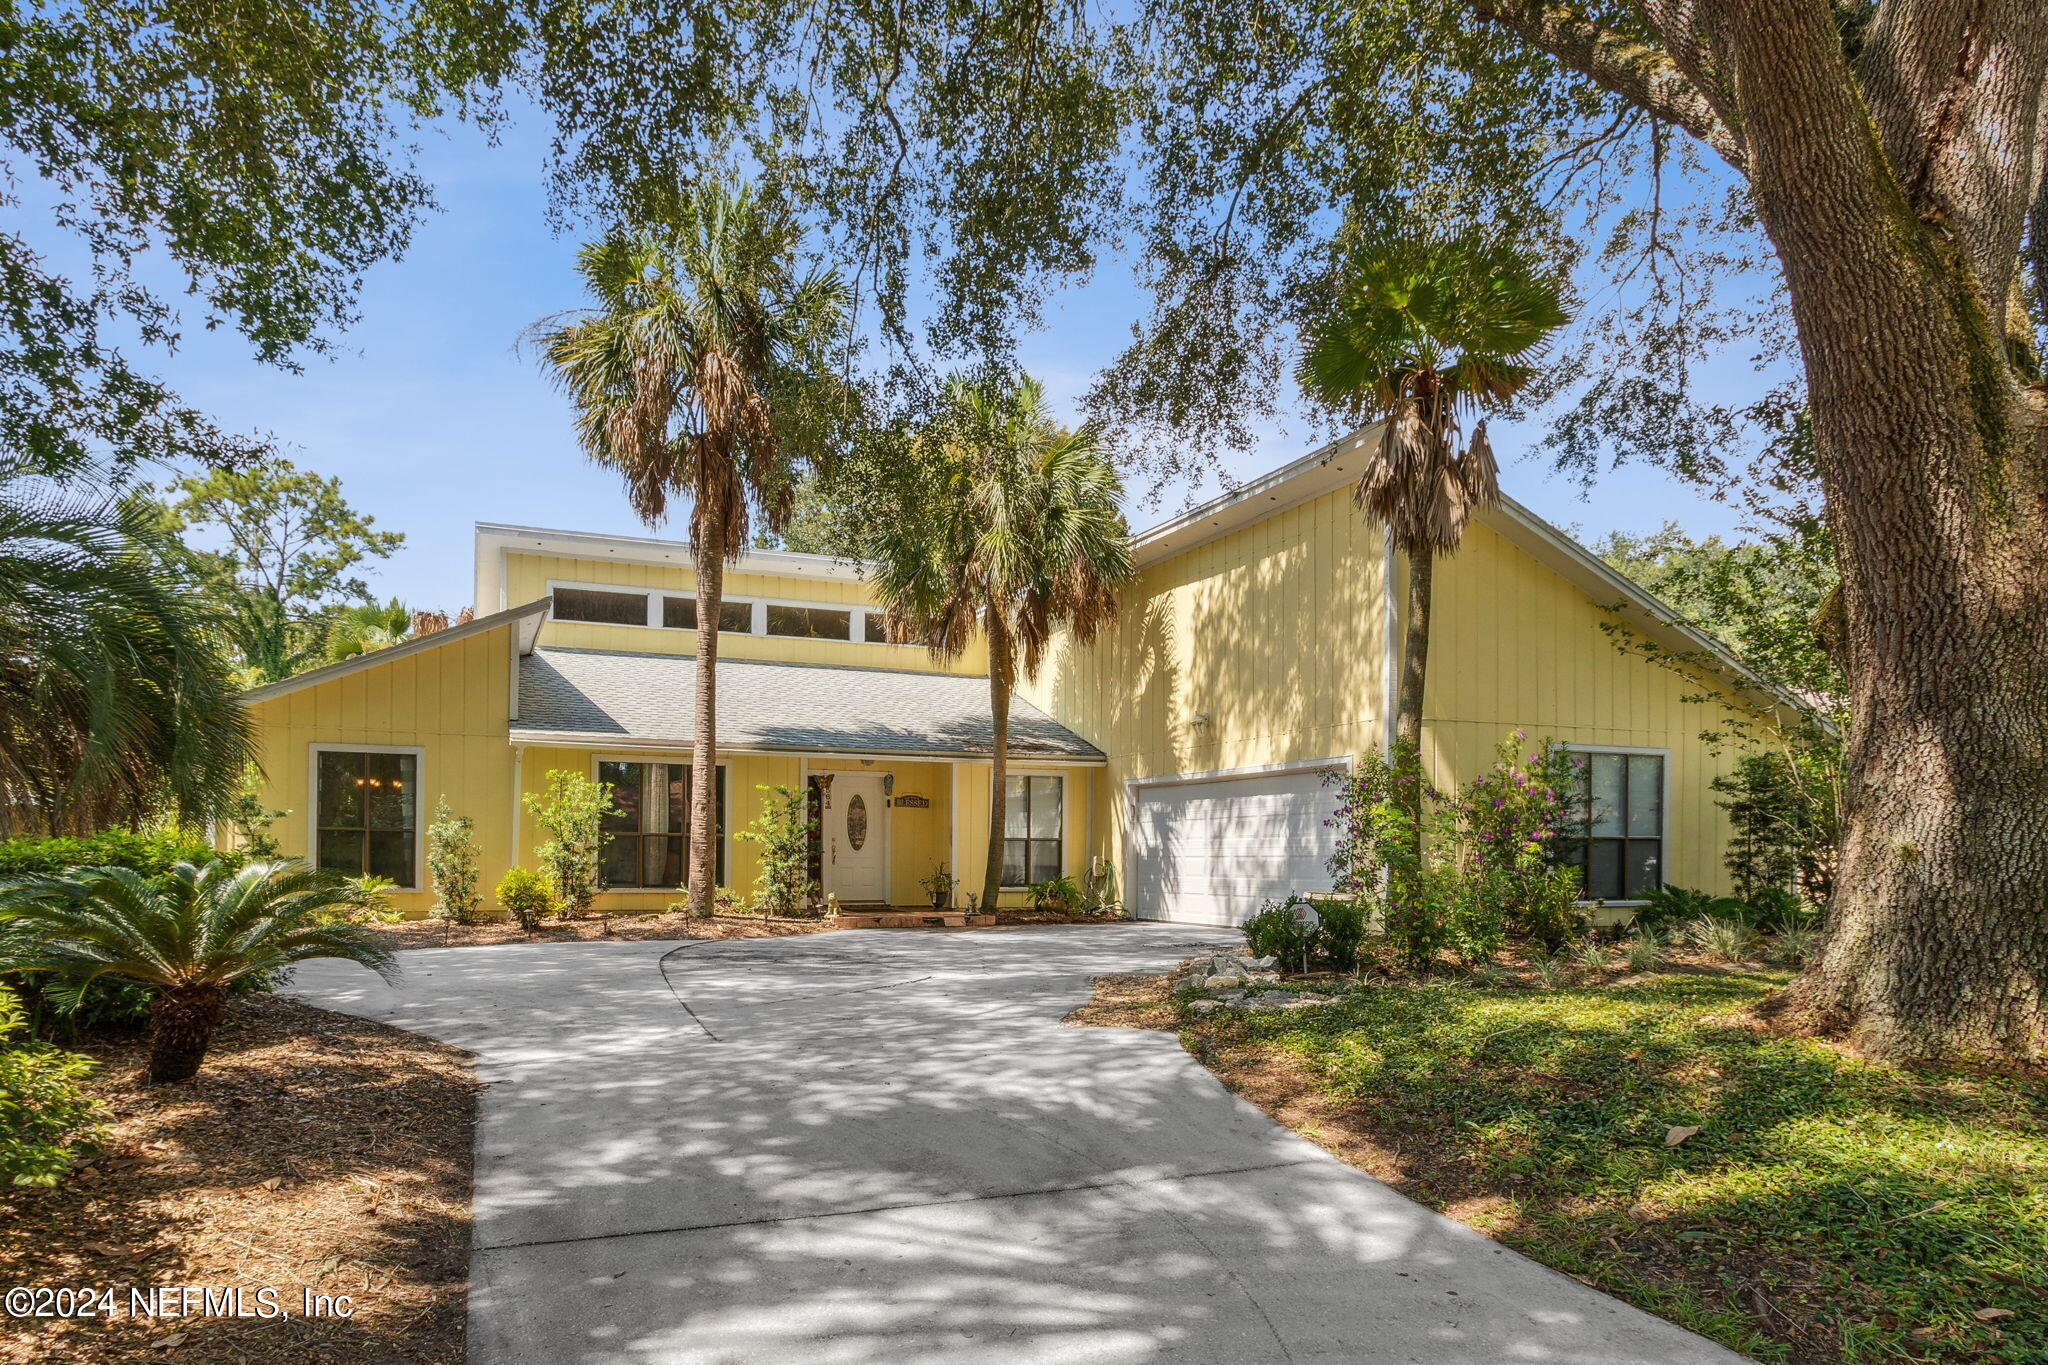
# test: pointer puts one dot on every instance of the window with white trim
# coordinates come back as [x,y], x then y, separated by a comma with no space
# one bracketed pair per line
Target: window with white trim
[1032,810]
[1620,799]
[650,827]
[601,606]
[735,615]
[366,820]
[810,623]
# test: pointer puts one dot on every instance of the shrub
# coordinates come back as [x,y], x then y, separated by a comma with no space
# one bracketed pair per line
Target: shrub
[1342,934]
[1782,818]
[45,1119]
[1059,895]
[451,860]
[188,941]
[1669,907]
[782,832]
[1792,944]
[1487,870]
[250,819]
[1731,940]
[1277,931]
[368,901]
[153,854]
[526,896]
[571,813]
[1645,951]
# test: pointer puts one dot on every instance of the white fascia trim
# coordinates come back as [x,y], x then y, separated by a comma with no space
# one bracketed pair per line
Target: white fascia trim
[1312,475]
[541,540]
[524,641]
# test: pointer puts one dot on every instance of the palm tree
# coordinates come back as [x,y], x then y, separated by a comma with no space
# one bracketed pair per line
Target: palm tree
[192,938]
[365,627]
[1426,332]
[1009,525]
[704,364]
[117,700]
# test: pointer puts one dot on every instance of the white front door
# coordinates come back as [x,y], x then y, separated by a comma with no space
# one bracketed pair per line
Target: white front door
[856,843]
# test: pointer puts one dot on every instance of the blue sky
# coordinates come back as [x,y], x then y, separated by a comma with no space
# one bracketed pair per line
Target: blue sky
[433,422]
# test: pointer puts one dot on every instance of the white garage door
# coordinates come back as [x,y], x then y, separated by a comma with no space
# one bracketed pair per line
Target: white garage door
[1213,852]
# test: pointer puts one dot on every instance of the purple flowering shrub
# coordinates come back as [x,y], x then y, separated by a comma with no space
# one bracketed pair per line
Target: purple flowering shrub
[1489,868]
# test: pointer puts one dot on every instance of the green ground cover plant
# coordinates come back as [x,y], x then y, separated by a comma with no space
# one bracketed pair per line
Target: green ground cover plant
[1789,1200]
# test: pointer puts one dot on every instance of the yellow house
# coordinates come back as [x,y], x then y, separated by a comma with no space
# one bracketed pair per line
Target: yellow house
[1185,750]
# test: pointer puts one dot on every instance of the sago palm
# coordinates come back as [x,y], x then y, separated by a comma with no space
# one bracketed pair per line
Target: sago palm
[1008,525]
[116,700]
[1426,333]
[703,371]
[191,938]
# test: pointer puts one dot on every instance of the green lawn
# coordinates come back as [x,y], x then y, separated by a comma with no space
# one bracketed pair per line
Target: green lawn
[1827,1209]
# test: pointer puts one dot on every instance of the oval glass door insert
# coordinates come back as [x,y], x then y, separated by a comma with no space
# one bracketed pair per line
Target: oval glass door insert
[857,821]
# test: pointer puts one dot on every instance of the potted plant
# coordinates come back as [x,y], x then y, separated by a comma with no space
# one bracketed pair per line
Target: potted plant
[939,886]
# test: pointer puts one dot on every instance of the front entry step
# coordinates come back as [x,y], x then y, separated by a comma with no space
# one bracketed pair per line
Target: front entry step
[911,919]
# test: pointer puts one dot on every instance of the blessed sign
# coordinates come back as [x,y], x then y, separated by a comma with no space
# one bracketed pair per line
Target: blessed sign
[913,802]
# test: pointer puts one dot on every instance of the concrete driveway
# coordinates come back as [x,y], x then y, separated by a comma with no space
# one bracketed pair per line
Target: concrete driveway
[879,1146]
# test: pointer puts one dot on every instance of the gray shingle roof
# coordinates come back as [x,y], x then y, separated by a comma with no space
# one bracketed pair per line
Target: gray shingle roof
[650,698]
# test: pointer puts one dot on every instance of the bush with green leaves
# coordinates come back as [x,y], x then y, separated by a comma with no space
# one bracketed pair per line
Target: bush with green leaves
[781,834]
[189,941]
[250,817]
[1488,870]
[153,853]
[1057,895]
[1670,907]
[1782,814]
[571,812]
[526,896]
[1281,932]
[46,1119]
[451,861]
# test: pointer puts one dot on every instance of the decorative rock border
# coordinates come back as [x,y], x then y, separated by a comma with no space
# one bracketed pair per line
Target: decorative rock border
[1236,981]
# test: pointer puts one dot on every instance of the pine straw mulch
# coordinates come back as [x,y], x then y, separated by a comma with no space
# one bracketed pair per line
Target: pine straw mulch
[314,1151]
[440,933]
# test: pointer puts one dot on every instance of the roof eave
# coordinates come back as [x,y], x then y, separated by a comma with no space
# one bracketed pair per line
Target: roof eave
[533,612]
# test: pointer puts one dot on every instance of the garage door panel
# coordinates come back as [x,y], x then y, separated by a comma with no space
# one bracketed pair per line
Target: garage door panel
[1214,851]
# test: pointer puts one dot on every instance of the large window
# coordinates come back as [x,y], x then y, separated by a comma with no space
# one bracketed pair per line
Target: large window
[1621,801]
[734,616]
[367,807]
[1031,829]
[811,623]
[604,608]
[650,843]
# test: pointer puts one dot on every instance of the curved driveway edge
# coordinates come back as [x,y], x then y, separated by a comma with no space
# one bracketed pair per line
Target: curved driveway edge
[876,1146]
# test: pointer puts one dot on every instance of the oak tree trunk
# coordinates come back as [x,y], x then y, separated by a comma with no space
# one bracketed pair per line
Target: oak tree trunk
[1932,457]
[999,765]
[703,873]
[182,1023]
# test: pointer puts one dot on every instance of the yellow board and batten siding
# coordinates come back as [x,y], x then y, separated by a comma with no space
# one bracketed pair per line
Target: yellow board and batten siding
[452,702]
[1266,645]
[528,576]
